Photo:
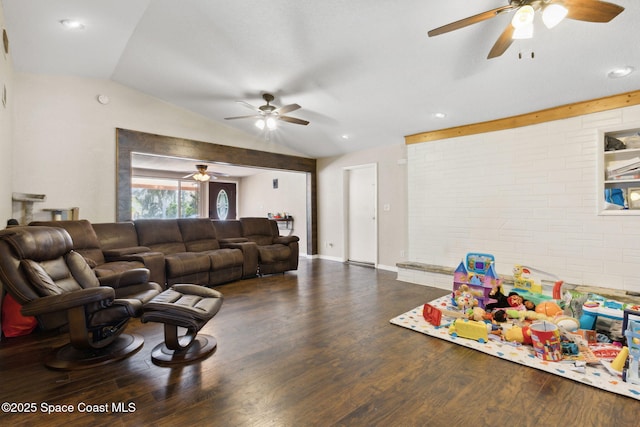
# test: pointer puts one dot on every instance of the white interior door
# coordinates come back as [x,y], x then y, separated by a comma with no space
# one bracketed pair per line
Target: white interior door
[362,233]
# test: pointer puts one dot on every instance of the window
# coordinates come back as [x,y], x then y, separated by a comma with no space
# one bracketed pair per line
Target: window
[222,205]
[164,198]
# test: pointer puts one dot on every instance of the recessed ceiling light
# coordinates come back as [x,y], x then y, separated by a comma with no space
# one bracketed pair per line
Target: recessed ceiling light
[72,24]
[345,136]
[617,73]
[439,115]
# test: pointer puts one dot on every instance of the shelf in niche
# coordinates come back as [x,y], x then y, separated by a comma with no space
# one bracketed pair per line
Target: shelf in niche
[605,157]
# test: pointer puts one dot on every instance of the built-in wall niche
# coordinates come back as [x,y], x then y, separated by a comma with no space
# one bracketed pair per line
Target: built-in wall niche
[619,171]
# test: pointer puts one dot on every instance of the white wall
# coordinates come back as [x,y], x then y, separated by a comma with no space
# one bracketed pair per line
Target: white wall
[257,197]
[392,191]
[64,140]
[6,130]
[527,196]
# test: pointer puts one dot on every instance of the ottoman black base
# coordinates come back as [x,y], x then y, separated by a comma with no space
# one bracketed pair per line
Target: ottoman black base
[183,306]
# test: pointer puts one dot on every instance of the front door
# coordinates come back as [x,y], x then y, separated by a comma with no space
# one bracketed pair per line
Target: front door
[222,200]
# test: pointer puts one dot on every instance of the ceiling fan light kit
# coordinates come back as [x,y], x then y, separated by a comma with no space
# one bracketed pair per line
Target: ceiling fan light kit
[521,25]
[270,123]
[553,14]
[202,175]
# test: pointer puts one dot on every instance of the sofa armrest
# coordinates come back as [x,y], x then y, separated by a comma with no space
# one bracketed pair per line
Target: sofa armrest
[154,261]
[285,240]
[232,240]
[114,254]
[130,277]
[68,300]
[249,255]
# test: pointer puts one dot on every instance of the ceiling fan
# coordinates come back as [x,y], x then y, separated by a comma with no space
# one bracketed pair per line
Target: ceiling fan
[267,115]
[202,176]
[521,26]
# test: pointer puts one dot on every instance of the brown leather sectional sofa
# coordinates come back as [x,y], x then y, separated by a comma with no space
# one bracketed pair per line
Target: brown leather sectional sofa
[190,250]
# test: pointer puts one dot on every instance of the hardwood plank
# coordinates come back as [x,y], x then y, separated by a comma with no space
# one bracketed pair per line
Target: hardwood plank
[309,348]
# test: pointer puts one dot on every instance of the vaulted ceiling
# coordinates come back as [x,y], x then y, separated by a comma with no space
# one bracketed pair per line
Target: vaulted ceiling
[364,72]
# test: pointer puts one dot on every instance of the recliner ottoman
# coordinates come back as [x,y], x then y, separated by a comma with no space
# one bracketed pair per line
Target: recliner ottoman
[187,306]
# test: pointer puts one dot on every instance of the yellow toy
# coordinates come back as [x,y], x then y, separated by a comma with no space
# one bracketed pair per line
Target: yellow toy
[518,334]
[526,315]
[522,280]
[471,329]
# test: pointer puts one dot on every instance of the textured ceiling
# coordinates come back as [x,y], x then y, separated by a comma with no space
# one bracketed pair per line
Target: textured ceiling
[358,68]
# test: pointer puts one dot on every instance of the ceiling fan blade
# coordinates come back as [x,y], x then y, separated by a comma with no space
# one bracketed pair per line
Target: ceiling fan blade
[592,10]
[503,42]
[293,120]
[188,176]
[249,106]
[253,116]
[470,20]
[287,108]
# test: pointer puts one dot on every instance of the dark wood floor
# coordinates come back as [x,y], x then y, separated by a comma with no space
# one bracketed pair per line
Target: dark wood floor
[309,348]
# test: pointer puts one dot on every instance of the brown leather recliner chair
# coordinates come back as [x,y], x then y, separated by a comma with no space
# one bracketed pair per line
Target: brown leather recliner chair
[56,285]
[277,254]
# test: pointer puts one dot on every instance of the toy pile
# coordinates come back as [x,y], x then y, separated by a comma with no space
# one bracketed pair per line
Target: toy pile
[562,327]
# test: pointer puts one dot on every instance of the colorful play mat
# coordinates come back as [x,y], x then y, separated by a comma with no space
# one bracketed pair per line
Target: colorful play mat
[593,374]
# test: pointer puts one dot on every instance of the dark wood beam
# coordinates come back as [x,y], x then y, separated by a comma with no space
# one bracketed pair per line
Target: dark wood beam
[130,141]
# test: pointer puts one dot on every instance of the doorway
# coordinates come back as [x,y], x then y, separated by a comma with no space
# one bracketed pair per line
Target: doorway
[361,214]
[222,200]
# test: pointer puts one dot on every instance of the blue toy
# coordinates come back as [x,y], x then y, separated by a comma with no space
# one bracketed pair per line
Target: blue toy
[596,306]
[631,372]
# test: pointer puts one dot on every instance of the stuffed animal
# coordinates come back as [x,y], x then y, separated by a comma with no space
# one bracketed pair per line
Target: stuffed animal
[518,334]
[464,299]
[478,314]
[526,315]
[511,301]
[549,308]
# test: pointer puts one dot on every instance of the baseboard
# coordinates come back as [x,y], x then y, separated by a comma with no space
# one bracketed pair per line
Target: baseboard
[330,258]
[391,268]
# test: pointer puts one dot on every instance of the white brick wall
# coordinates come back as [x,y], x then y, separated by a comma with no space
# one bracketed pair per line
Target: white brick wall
[528,196]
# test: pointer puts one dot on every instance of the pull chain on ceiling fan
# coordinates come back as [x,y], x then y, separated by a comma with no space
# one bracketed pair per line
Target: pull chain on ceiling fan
[521,26]
[269,115]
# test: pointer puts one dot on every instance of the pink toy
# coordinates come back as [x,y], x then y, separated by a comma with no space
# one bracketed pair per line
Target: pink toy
[478,277]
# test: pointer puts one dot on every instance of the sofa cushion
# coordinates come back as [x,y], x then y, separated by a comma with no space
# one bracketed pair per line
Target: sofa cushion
[228,229]
[198,234]
[116,267]
[257,230]
[185,263]
[274,253]
[160,235]
[225,258]
[118,236]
